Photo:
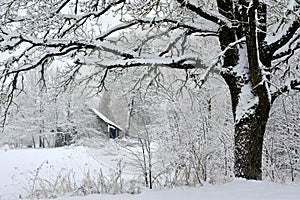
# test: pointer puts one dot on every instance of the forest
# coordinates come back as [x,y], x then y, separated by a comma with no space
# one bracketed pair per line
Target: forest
[209,89]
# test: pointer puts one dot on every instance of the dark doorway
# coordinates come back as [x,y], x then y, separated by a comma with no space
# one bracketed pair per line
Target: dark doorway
[112,132]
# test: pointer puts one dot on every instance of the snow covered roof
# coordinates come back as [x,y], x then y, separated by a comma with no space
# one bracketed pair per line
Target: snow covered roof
[105,119]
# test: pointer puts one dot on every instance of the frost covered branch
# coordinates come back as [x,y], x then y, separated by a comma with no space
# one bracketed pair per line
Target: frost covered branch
[201,11]
[290,85]
[286,37]
[192,27]
[183,62]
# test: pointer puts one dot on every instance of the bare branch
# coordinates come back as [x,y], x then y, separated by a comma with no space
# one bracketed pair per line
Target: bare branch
[62,5]
[79,20]
[288,53]
[285,38]
[193,27]
[115,29]
[213,17]
[41,60]
[183,62]
[291,85]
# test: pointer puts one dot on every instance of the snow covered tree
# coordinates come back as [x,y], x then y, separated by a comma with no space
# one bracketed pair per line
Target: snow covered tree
[282,142]
[195,139]
[192,130]
[255,45]
[44,116]
[29,120]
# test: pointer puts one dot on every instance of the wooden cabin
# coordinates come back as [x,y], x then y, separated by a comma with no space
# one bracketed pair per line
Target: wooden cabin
[111,129]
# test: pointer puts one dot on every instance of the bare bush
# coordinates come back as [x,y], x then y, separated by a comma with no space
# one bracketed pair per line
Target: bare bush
[92,182]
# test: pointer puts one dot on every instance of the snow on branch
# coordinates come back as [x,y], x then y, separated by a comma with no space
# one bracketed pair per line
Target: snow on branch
[289,52]
[216,63]
[62,5]
[291,84]
[192,26]
[43,58]
[115,29]
[231,45]
[205,13]
[183,62]
[80,19]
[64,45]
[286,38]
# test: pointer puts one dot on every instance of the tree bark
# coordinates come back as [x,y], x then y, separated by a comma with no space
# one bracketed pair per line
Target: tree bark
[249,135]
[249,128]
[250,107]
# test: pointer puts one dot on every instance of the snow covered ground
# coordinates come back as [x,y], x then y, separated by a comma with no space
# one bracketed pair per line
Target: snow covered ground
[235,190]
[19,166]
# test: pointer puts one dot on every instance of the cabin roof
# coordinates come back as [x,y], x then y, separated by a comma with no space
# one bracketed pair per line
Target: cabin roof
[105,119]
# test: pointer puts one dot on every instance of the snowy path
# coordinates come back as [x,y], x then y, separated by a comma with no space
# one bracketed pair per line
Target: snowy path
[111,153]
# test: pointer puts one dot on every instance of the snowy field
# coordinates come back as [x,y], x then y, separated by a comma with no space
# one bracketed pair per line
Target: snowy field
[19,167]
[235,190]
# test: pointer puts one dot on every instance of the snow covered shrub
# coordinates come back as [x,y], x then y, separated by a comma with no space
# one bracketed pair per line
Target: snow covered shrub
[67,182]
[282,141]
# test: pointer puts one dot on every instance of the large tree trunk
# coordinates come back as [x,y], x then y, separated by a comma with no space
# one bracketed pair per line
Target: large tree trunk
[250,107]
[249,134]
[242,73]
[251,112]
